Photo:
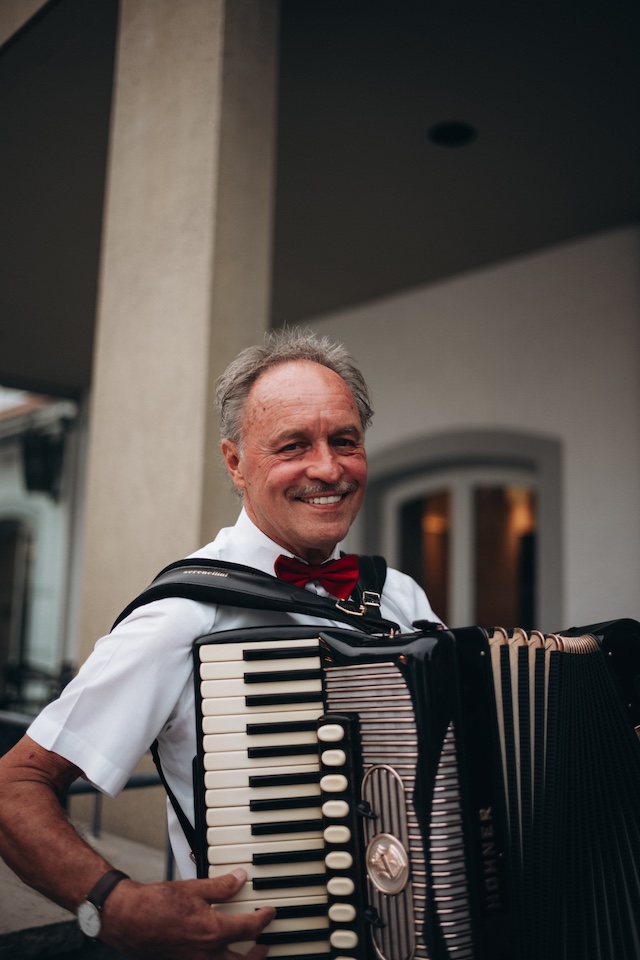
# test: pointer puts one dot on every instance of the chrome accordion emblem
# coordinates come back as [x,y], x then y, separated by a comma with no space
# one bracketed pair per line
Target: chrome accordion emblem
[387,864]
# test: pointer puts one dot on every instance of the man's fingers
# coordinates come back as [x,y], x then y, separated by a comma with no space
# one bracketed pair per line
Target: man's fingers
[219,889]
[234,927]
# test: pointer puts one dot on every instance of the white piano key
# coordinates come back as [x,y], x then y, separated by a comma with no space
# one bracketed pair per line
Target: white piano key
[233,816]
[224,779]
[239,854]
[304,869]
[233,651]
[240,760]
[247,894]
[287,949]
[222,742]
[236,688]
[240,906]
[221,706]
[237,723]
[297,923]
[242,796]
[236,669]
[241,833]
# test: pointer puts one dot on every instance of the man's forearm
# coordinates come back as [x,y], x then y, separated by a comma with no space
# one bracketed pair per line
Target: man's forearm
[36,839]
[156,921]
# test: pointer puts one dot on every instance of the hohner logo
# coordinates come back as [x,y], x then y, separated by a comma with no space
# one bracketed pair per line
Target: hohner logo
[489,859]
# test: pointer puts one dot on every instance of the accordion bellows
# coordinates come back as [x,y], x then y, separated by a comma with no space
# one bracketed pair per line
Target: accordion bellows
[469,793]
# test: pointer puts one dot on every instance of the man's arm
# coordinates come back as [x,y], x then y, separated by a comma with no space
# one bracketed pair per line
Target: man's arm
[166,921]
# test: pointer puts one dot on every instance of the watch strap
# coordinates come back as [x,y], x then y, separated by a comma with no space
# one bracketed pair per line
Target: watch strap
[99,893]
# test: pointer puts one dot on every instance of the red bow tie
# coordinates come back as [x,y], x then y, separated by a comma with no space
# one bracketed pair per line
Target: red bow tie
[338,577]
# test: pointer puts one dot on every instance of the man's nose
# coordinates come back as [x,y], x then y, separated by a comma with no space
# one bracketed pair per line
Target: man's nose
[324,464]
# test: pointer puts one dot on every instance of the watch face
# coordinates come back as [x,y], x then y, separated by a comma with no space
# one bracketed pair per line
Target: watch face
[89,919]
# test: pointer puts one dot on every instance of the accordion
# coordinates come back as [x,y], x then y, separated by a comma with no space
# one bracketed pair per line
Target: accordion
[468,793]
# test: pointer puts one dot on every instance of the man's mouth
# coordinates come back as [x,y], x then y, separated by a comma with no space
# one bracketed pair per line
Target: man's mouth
[320,497]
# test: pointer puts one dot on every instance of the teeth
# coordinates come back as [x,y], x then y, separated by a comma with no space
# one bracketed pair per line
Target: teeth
[333,499]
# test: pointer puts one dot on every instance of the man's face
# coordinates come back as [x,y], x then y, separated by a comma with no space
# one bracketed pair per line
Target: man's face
[302,466]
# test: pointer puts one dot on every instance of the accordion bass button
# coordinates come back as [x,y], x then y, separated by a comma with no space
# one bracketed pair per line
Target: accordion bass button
[334,783]
[339,860]
[337,834]
[342,912]
[330,733]
[344,939]
[335,808]
[340,886]
[334,758]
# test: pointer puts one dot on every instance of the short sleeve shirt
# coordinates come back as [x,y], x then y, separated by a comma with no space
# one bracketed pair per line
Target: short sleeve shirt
[137,685]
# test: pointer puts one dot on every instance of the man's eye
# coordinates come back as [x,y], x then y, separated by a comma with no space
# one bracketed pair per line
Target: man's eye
[344,442]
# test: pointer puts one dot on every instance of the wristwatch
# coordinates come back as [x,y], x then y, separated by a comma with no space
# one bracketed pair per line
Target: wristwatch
[89,910]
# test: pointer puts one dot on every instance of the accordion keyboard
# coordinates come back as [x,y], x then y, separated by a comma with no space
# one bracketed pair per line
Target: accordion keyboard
[309,777]
[262,792]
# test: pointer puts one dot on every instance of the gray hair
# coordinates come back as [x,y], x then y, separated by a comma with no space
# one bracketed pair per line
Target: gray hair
[284,346]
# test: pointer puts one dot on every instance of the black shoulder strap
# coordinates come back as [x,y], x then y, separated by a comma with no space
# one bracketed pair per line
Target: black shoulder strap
[373,572]
[183,820]
[218,581]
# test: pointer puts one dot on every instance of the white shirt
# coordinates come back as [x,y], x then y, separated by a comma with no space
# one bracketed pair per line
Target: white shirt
[138,682]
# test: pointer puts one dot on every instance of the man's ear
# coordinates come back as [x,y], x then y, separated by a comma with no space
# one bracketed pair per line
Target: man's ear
[233,461]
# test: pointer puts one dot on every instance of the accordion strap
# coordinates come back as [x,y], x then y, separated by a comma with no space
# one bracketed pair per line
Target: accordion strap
[218,581]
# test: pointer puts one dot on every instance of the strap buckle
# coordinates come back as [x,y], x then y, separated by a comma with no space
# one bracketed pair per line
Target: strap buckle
[369,599]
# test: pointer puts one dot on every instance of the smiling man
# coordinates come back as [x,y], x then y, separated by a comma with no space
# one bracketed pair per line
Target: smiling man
[293,413]
[301,464]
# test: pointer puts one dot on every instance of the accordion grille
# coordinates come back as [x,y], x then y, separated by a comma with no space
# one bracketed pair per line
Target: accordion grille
[378,694]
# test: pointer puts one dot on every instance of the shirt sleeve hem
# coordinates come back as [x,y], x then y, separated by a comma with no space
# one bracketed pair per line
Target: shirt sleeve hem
[97,769]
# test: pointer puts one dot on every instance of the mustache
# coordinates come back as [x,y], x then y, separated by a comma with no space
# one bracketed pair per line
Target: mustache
[339,489]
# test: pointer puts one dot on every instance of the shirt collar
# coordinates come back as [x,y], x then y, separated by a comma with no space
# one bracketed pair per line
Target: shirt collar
[249,545]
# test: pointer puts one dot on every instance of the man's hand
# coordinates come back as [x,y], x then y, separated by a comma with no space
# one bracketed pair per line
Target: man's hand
[166,921]
[175,921]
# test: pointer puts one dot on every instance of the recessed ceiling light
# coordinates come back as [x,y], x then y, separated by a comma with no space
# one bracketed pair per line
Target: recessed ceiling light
[452,134]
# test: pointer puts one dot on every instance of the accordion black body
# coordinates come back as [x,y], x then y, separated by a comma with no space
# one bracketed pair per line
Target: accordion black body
[465,793]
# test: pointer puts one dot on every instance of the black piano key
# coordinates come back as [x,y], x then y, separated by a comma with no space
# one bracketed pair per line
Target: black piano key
[281,883]
[283,750]
[283,779]
[289,856]
[285,803]
[288,726]
[285,826]
[282,676]
[293,936]
[279,653]
[278,699]
[304,910]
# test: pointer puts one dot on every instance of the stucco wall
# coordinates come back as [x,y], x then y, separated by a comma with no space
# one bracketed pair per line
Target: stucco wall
[547,344]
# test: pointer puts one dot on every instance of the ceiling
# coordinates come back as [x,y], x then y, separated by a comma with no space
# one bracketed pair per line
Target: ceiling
[366,203]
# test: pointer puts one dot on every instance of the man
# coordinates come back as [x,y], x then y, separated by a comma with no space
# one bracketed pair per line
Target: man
[293,417]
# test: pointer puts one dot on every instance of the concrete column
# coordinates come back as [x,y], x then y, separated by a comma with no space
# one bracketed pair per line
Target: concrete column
[184,281]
